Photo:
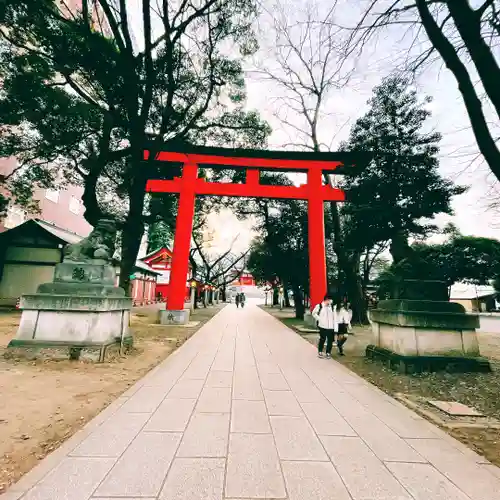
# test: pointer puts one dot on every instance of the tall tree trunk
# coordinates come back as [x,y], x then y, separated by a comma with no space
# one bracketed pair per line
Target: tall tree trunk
[355,292]
[349,267]
[275,296]
[286,297]
[298,301]
[89,197]
[132,233]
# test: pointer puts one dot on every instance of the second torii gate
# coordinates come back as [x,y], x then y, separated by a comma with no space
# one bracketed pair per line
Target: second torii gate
[189,185]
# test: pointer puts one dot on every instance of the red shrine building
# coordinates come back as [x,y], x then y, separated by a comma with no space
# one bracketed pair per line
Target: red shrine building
[244,279]
[161,261]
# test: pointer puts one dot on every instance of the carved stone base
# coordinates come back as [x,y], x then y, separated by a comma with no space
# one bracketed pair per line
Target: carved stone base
[69,318]
[97,272]
[419,364]
[425,335]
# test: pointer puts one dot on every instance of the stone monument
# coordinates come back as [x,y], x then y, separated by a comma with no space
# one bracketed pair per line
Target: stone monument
[418,329]
[82,307]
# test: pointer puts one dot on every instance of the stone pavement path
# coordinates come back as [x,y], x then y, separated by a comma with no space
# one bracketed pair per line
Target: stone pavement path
[245,410]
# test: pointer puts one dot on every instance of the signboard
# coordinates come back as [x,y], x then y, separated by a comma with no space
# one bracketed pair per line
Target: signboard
[164,278]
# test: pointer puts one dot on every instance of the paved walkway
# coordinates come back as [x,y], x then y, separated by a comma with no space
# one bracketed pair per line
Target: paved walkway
[246,410]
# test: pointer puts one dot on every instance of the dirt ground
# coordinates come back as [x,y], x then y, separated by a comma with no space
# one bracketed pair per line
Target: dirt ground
[44,402]
[479,390]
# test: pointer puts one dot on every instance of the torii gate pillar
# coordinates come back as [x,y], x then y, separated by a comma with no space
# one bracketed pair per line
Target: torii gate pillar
[316,238]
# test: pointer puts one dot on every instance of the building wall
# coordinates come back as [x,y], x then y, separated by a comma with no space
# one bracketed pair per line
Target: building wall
[63,208]
[97,14]
[24,269]
[482,304]
[469,304]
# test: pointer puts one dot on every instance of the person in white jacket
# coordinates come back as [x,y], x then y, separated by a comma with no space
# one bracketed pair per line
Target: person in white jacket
[326,319]
[343,317]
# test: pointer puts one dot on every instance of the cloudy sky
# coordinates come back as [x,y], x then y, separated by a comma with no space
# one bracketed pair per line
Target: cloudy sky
[459,158]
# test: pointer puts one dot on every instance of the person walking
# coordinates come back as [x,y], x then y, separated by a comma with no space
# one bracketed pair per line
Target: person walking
[325,316]
[343,326]
[237,300]
[242,299]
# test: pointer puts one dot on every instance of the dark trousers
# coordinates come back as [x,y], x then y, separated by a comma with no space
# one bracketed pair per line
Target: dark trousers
[328,336]
[341,336]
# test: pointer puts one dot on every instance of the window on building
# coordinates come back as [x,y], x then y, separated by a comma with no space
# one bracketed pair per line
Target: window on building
[74,205]
[52,195]
[14,217]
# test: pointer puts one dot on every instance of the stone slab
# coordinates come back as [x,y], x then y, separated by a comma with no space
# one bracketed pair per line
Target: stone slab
[267,367]
[253,468]
[74,479]
[214,400]
[219,379]
[424,482]
[493,469]
[171,416]
[302,387]
[249,417]
[224,360]
[247,386]
[363,473]
[186,389]
[143,467]
[113,437]
[313,480]
[206,436]
[194,479]
[455,409]
[200,367]
[384,442]
[145,400]
[273,382]
[282,403]
[326,420]
[296,440]
[452,463]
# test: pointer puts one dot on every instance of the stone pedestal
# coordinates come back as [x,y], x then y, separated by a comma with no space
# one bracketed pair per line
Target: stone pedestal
[166,317]
[309,320]
[81,309]
[430,335]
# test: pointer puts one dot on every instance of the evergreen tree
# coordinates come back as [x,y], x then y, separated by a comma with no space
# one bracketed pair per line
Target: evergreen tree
[401,189]
[159,235]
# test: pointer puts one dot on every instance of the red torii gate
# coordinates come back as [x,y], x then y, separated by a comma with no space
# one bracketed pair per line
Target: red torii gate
[189,185]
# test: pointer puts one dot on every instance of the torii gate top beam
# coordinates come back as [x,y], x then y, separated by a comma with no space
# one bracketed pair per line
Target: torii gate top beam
[298,161]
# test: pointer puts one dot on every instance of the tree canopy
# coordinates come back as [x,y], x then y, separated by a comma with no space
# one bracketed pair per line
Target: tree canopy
[463,35]
[468,259]
[401,190]
[81,102]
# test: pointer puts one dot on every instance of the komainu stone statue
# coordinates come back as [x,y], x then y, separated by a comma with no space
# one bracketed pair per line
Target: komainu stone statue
[98,245]
[82,307]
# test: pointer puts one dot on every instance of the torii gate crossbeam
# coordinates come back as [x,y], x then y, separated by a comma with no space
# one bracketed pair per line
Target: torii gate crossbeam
[189,185]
